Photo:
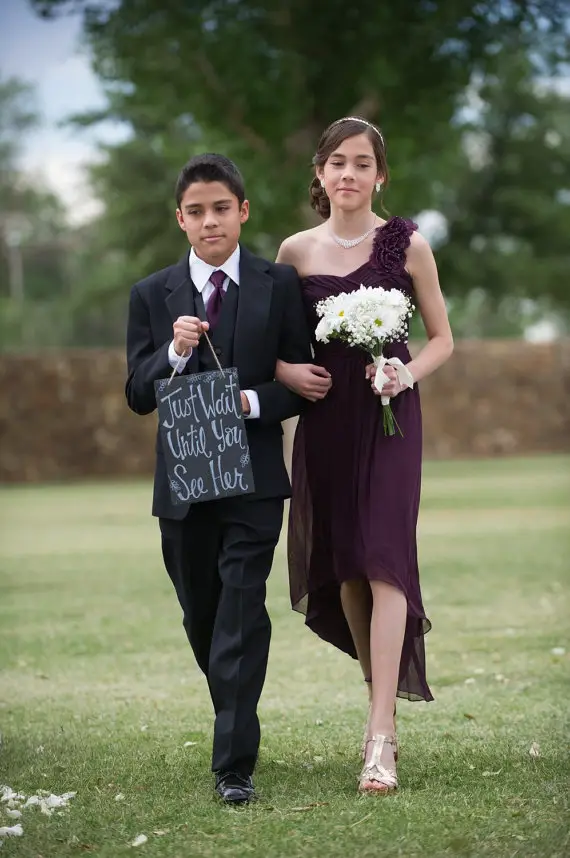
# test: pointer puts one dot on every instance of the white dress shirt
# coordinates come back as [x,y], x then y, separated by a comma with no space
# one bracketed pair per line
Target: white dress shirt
[200,273]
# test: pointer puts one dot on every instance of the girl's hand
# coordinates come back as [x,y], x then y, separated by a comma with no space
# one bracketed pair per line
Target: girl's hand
[392,387]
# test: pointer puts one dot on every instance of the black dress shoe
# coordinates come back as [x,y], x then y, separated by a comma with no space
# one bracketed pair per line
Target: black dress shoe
[234,788]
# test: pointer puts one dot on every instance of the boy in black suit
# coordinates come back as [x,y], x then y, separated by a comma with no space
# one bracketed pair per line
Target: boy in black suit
[219,553]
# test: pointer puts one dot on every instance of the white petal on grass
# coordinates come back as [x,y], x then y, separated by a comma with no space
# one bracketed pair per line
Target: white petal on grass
[11,831]
[500,678]
[44,808]
[59,800]
[139,840]
[470,681]
[120,796]
[144,728]
[48,802]
[319,723]
[479,670]
[8,794]
[13,814]
[558,650]
[534,750]
[190,744]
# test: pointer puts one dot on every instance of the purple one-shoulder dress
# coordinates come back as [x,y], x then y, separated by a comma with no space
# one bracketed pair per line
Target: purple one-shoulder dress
[356,491]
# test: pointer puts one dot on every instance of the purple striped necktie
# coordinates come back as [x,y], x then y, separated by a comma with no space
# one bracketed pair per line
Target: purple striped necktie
[215,301]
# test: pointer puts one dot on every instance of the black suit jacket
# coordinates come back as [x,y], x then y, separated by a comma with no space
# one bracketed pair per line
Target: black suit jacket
[270,324]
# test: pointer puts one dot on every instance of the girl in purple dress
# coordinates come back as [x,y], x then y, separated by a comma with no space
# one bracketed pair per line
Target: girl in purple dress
[356,491]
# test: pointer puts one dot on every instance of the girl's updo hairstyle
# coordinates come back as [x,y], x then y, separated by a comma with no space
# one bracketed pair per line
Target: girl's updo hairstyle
[331,139]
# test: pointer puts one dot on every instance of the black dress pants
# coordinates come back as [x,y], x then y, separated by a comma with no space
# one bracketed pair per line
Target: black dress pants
[219,558]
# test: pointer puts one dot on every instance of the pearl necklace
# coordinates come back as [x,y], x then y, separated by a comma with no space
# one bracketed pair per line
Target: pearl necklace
[347,243]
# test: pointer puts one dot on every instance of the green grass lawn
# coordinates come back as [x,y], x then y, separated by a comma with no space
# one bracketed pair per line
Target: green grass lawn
[99,693]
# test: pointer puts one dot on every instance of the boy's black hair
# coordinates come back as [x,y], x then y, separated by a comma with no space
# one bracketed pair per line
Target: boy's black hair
[210,167]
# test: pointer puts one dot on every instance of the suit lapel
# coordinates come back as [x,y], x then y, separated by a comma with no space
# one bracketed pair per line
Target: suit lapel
[180,300]
[254,302]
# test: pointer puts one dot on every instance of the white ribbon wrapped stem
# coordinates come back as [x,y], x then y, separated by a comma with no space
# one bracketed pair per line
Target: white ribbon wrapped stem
[402,371]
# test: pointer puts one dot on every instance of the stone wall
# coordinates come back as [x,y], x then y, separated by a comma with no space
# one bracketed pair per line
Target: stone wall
[63,415]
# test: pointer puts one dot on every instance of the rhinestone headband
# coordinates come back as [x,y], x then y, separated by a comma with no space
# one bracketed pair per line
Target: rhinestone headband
[364,122]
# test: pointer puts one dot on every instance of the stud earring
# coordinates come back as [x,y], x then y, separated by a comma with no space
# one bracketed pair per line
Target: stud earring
[322,183]
[378,186]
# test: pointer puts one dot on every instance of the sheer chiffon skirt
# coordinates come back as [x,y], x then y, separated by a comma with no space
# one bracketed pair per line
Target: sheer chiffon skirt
[354,509]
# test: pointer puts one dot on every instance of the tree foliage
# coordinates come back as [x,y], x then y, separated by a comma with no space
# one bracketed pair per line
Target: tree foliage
[509,209]
[32,219]
[259,80]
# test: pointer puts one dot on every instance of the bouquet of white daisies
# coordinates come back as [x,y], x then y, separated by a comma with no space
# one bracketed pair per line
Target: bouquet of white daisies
[369,318]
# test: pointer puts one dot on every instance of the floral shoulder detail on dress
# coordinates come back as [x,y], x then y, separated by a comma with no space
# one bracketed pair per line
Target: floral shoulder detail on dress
[390,244]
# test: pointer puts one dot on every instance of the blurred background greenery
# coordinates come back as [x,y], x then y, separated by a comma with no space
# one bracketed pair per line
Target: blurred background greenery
[473,99]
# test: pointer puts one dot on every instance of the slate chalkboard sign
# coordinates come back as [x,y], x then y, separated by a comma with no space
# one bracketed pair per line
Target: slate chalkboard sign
[203,436]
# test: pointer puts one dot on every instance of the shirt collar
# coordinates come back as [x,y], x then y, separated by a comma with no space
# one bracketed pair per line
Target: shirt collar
[200,271]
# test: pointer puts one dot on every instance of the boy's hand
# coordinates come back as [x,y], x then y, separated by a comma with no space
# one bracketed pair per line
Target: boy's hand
[187,333]
[310,381]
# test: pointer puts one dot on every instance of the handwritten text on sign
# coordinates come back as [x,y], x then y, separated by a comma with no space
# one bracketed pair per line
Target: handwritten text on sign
[203,436]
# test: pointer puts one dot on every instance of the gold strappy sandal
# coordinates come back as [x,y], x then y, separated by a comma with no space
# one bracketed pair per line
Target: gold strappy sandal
[375,776]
